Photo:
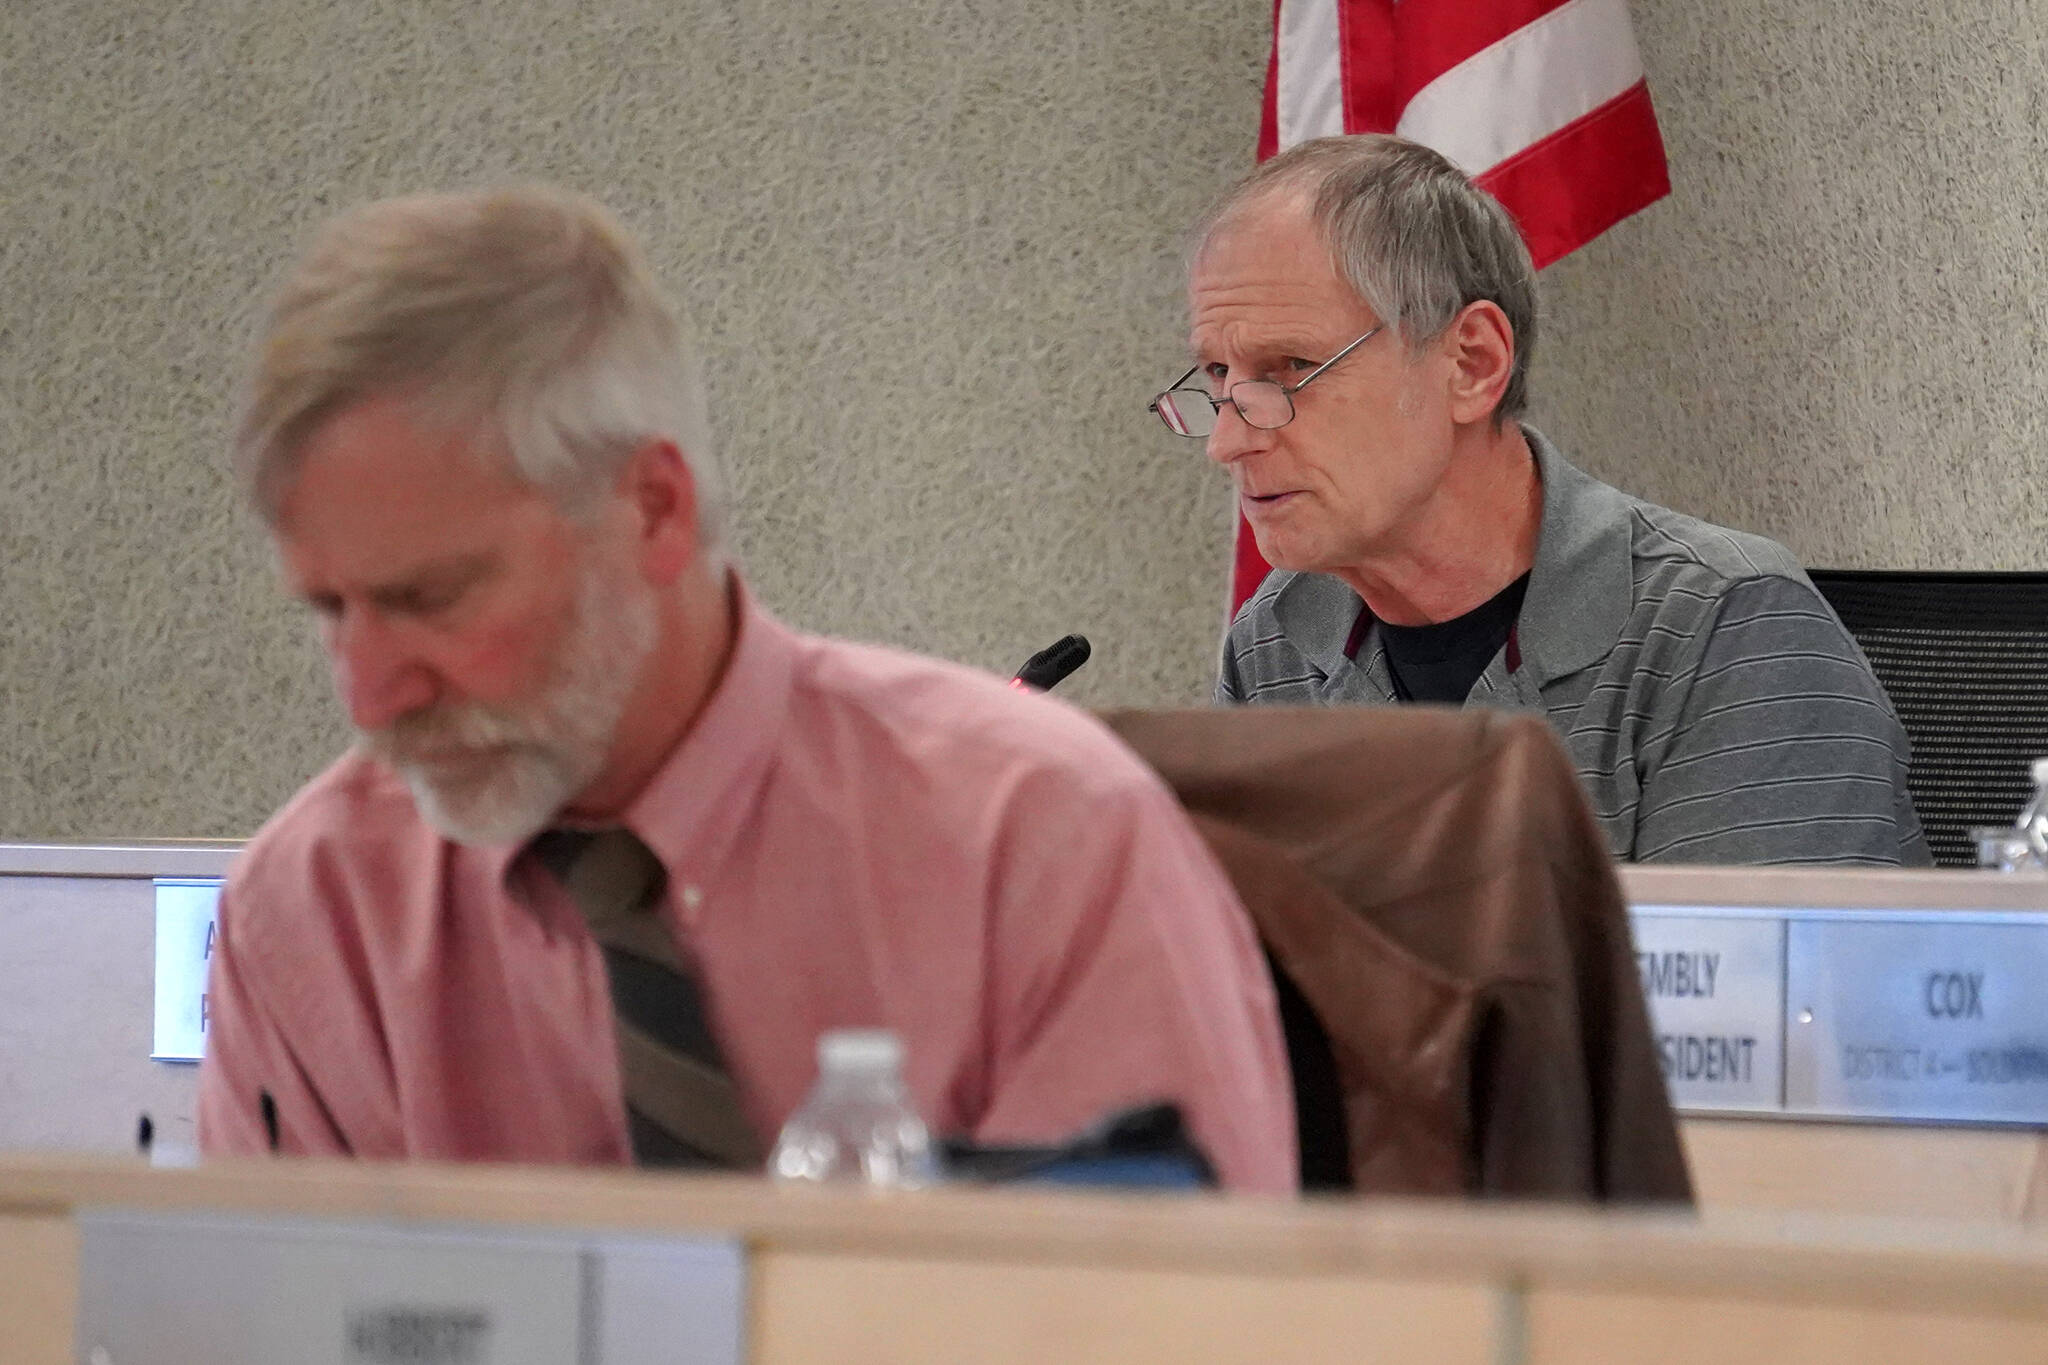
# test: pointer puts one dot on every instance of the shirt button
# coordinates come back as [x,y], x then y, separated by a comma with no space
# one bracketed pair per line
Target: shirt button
[693,897]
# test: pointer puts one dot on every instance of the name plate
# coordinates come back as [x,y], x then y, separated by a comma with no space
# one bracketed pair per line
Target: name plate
[1715,988]
[185,909]
[1918,1019]
[250,1290]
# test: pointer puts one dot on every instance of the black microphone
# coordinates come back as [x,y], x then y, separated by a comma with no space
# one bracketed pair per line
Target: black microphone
[1045,669]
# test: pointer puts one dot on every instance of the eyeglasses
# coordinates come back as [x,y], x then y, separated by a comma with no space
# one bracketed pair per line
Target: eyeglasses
[1261,402]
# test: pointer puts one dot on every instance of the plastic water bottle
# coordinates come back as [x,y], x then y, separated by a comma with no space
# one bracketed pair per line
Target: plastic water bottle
[2032,826]
[2022,846]
[858,1125]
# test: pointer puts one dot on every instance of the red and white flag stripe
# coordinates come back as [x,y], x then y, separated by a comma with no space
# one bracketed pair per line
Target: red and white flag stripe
[1542,102]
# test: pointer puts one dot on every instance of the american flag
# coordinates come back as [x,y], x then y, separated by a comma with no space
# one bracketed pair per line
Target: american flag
[1542,102]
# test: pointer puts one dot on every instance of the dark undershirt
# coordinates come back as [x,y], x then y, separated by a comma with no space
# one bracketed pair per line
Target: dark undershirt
[1441,662]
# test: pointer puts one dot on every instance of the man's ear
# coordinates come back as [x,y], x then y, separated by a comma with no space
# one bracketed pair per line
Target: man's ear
[1480,343]
[660,495]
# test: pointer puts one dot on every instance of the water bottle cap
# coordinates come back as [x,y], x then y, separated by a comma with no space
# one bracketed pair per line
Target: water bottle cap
[860,1050]
[2041,772]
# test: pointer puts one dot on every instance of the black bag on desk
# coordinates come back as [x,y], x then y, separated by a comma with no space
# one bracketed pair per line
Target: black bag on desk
[1148,1147]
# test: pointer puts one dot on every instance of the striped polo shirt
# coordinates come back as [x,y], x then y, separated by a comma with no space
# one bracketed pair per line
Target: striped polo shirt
[1715,707]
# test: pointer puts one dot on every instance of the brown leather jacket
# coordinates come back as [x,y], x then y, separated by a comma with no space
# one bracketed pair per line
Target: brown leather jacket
[1433,886]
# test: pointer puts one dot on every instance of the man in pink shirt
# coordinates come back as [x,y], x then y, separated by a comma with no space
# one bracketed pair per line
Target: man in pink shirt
[477,436]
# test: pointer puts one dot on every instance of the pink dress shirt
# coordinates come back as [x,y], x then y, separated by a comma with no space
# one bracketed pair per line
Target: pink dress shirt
[854,837]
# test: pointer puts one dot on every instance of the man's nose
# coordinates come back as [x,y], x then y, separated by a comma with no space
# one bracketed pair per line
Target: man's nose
[1234,438]
[377,675]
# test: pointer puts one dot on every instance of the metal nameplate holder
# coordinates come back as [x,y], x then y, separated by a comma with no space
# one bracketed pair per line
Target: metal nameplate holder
[1908,997]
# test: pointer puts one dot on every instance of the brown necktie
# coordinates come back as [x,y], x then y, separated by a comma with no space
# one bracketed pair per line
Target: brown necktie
[680,1102]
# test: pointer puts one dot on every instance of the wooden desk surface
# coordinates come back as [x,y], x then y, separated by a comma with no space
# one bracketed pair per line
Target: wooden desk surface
[1953,1262]
[1012,1277]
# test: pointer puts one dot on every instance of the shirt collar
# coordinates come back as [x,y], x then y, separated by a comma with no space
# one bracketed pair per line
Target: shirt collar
[693,807]
[1581,587]
[1316,613]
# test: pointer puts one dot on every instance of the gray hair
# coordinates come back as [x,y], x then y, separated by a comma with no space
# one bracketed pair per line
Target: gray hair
[526,312]
[1411,234]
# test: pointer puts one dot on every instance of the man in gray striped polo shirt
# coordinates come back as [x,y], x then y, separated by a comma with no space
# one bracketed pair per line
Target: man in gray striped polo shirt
[1429,547]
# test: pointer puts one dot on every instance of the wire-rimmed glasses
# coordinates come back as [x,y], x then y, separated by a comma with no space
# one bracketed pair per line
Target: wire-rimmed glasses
[1261,402]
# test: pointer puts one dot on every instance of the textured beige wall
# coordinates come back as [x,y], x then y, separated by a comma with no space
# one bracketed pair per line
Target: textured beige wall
[1832,331]
[932,247]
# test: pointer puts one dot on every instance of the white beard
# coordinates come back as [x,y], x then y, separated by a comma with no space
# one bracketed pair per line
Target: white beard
[519,765]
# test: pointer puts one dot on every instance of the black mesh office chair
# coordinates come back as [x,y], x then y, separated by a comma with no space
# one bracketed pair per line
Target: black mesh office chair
[1965,659]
